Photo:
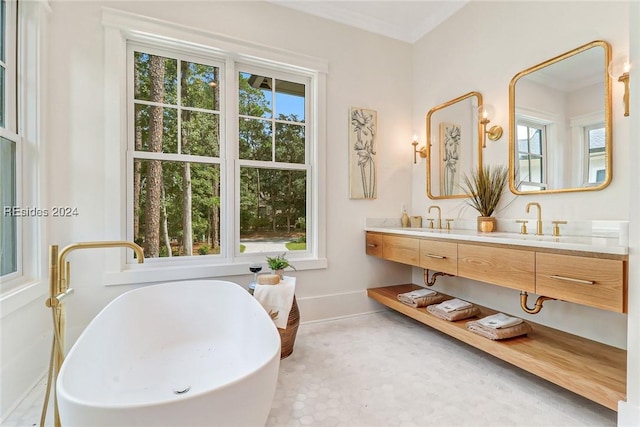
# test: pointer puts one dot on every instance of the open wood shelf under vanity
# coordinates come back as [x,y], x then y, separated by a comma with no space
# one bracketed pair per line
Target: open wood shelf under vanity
[591,369]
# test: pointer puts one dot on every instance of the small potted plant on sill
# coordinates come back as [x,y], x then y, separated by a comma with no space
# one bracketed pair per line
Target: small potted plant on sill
[484,187]
[278,263]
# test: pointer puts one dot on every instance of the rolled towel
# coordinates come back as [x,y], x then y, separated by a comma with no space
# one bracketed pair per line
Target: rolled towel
[499,321]
[454,304]
[499,334]
[420,298]
[452,316]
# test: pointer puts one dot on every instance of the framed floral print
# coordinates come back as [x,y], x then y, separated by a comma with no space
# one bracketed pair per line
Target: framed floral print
[363,165]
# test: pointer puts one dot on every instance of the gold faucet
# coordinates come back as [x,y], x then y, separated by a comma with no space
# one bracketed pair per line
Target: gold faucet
[539,222]
[59,272]
[439,215]
[58,290]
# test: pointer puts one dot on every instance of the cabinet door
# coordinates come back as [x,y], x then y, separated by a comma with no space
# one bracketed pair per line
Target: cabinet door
[511,268]
[439,256]
[590,281]
[374,244]
[401,249]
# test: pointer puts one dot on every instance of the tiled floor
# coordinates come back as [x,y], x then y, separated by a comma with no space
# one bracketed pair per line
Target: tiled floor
[387,370]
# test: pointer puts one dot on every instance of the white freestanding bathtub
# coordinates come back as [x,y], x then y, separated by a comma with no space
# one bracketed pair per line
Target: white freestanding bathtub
[193,353]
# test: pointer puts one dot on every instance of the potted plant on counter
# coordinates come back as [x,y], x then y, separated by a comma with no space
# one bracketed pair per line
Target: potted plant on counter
[484,187]
[278,263]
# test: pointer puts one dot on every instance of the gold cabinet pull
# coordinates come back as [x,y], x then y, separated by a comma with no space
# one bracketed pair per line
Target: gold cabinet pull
[372,245]
[571,279]
[435,256]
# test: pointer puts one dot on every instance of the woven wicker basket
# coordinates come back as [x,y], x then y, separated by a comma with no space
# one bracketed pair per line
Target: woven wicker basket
[288,335]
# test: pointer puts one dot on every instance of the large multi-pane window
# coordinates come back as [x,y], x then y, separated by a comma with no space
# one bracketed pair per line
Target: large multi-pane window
[10,150]
[176,154]
[531,139]
[190,194]
[273,162]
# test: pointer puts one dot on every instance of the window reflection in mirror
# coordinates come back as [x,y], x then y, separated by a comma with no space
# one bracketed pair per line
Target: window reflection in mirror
[454,145]
[560,123]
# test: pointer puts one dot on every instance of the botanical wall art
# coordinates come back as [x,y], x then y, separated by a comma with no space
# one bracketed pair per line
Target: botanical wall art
[363,166]
[450,158]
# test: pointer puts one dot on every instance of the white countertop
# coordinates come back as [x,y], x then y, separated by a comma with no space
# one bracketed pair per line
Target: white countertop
[607,245]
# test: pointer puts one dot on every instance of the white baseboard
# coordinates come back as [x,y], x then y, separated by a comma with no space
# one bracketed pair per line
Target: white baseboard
[628,414]
[335,306]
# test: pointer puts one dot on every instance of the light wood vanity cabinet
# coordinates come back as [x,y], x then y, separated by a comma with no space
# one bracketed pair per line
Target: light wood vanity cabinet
[401,249]
[597,280]
[590,281]
[511,268]
[374,244]
[439,256]
[582,279]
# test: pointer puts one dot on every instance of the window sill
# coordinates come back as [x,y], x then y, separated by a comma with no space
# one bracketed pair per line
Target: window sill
[22,294]
[137,274]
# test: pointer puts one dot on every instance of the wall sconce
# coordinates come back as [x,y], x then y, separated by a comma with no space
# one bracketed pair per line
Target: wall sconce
[485,113]
[422,151]
[619,68]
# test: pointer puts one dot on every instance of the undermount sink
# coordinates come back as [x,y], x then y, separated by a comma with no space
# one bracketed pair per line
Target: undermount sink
[505,235]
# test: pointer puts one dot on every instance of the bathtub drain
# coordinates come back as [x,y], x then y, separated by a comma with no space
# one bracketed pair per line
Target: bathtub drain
[182,390]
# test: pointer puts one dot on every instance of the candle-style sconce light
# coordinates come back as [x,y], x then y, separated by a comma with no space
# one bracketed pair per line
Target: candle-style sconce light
[619,68]
[485,114]
[422,151]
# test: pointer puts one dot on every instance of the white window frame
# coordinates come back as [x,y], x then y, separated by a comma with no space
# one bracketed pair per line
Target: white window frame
[183,158]
[28,283]
[122,28]
[543,156]
[307,166]
[579,126]
[11,131]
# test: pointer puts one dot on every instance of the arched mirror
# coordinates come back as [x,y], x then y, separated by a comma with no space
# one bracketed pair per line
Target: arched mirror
[454,145]
[560,123]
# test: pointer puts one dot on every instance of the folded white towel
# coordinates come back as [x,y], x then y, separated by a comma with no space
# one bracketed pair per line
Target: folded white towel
[419,293]
[499,321]
[277,300]
[453,305]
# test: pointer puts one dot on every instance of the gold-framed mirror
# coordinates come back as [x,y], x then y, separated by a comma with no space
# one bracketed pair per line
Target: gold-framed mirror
[454,145]
[560,129]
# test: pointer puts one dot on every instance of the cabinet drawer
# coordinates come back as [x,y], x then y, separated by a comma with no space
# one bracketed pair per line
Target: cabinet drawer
[374,244]
[511,268]
[401,249]
[590,281]
[439,256]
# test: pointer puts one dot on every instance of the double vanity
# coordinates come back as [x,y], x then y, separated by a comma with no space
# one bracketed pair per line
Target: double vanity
[590,271]
[560,141]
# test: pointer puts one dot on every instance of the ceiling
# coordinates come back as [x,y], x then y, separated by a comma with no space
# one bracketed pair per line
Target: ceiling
[402,20]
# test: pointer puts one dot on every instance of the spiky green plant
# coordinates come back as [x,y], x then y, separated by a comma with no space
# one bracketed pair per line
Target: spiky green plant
[484,188]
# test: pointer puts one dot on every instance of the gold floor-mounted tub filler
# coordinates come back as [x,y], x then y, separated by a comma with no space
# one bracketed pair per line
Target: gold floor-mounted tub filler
[59,290]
